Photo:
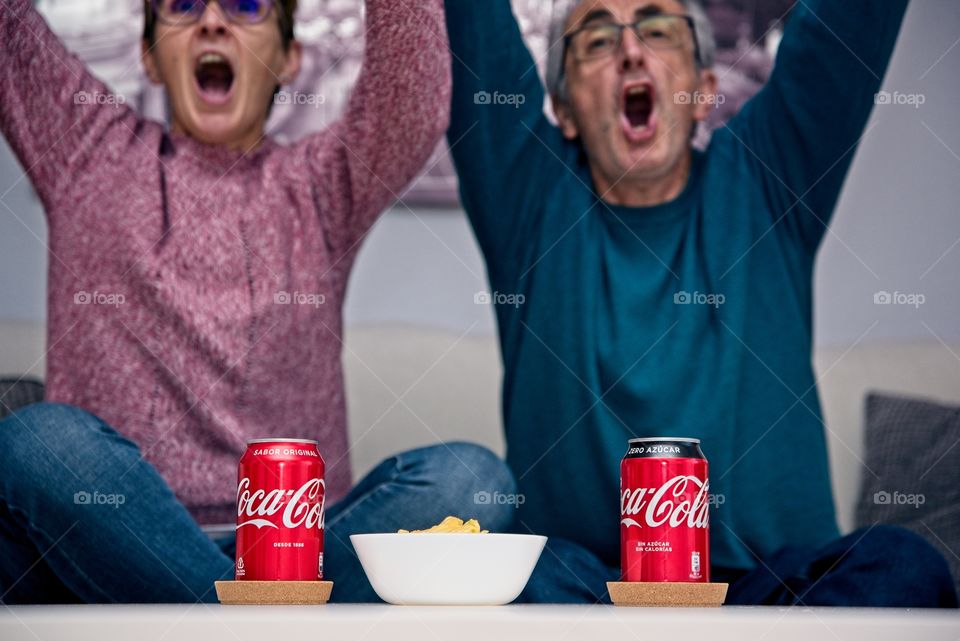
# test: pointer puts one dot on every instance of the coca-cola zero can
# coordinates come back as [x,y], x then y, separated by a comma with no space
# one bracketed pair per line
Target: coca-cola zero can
[664,511]
[280,494]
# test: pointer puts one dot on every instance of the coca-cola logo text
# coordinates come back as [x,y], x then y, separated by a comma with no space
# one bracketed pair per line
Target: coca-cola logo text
[670,504]
[300,507]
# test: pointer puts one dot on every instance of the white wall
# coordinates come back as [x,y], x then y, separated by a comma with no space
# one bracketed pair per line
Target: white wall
[23,237]
[897,227]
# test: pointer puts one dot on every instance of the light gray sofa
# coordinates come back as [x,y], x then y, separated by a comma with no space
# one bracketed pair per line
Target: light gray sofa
[411,386]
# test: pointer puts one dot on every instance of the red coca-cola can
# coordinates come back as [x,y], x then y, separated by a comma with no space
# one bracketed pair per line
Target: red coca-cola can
[280,493]
[664,511]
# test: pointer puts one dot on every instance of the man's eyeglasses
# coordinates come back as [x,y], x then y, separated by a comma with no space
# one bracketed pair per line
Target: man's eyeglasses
[659,31]
[186,12]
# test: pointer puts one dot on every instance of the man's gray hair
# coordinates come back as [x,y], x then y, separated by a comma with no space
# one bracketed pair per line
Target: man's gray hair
[556,79]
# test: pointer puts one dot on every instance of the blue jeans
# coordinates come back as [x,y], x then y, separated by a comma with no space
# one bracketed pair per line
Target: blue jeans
[134,542]
[881,566]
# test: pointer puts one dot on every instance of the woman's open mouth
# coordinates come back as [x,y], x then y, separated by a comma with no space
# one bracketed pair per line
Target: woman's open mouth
[214,77]
[638,112]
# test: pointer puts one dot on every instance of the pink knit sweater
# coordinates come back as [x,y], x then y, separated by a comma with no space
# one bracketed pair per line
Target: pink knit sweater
[195,293]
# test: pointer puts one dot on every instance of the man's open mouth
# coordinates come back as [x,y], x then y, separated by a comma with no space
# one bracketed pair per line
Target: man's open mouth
[638,111]
[214,76]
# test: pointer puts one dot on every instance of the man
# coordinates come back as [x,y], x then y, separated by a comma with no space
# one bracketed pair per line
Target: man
[668,290]
[174,336]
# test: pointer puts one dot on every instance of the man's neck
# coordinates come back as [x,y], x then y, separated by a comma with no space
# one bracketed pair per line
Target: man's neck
[644,192]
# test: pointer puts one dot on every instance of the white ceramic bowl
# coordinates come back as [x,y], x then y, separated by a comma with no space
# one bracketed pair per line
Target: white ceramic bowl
[448,569]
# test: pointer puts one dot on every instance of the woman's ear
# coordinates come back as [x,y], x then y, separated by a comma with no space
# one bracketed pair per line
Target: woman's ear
[149,62]
[291,67]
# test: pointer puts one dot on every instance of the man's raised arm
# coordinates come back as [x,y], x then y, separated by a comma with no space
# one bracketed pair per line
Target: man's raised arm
[802,129]
[498,132]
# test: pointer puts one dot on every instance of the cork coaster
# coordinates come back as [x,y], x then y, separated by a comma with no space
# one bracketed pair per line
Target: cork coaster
[274,592]
[668,595]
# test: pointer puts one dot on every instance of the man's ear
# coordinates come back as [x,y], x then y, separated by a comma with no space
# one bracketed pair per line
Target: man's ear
[294,56]
[708,94]
[565,118]
[149,62]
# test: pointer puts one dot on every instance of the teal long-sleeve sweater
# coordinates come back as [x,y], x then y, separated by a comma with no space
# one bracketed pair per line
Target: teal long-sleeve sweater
[689,318]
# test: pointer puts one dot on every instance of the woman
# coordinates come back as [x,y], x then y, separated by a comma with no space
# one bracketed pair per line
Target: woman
[180,262]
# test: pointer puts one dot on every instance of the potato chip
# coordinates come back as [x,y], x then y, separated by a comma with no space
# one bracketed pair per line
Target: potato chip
[450,525]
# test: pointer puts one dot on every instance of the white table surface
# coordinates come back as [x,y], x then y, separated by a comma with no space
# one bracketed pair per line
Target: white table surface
[527,622]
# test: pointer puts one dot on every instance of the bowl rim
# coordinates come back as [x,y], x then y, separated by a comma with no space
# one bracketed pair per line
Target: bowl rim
[421,535]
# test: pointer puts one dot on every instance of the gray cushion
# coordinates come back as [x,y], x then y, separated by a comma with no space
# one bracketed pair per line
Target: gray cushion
[15,394]
[912,475]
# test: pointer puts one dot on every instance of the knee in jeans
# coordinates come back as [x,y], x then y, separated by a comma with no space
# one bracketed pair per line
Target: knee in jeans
[477,484]
[52,427]
[41,446]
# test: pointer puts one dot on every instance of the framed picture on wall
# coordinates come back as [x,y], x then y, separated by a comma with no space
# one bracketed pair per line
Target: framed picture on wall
[331,31]
[747,33]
